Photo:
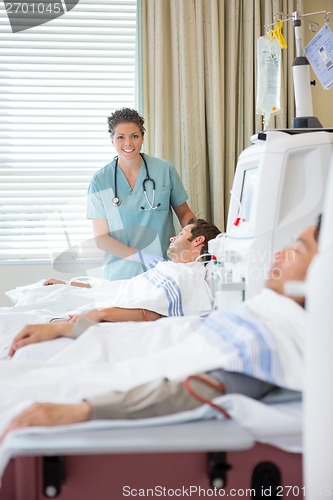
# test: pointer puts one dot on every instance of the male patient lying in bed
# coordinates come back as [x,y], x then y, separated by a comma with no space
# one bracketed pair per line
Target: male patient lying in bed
[260,346]
[185,248]
[176,287]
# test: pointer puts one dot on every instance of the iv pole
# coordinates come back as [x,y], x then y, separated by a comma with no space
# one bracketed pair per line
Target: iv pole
[301,76]
[302,83]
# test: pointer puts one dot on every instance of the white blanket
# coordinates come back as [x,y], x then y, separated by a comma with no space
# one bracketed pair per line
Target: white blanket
[169,289]
[120,356]
[103,359]
[264,341]
[287,323]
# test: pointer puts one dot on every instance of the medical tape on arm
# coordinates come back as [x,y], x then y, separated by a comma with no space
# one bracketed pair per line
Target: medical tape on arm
[81,326]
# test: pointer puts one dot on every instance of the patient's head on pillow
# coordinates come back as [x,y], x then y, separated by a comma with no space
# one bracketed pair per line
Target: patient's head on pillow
[192,241]
[200,227]
[292,262]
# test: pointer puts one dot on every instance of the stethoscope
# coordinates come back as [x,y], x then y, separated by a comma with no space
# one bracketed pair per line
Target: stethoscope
[116,201]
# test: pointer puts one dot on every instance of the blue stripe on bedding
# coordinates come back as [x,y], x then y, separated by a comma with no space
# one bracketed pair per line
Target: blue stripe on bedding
[171,289]
[246,344]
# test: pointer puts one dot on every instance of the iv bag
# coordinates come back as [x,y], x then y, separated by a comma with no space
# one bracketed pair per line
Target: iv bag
[268,77]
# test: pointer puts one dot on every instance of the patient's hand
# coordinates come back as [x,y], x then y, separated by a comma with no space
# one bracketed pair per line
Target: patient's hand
[48,414]
[39,333]
[54,281]
[95,315]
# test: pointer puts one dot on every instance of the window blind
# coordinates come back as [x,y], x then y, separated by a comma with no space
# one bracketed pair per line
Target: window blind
[58,83]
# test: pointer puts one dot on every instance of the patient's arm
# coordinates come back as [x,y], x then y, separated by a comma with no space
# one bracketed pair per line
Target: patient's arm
[39,333]
[161,397]
[55,281]
[49,331]
[119,314]
[48,414]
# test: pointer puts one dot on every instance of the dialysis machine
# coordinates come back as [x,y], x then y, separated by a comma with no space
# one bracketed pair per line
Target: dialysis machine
[277,191]
[318,398]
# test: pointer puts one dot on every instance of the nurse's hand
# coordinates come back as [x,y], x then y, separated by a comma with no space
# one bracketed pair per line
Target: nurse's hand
[148,260]
[48,414]
[39,333]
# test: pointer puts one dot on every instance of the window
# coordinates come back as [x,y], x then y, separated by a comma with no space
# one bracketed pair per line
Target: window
[58,83]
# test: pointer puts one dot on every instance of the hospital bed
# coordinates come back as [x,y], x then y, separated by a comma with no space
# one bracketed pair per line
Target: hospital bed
[194,457]
[179,442]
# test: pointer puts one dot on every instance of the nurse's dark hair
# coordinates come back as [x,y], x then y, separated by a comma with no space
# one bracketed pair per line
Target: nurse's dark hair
[125,115]
[317,228]
[203,228]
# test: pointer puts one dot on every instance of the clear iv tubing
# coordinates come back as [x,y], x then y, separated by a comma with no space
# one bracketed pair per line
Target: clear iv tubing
[197,259]
[211,274]
[220,235]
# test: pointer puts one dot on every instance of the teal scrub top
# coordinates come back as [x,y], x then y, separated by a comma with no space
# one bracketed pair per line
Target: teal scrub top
[137,227]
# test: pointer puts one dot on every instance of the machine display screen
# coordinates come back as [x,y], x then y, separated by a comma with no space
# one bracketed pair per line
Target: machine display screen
[249,182]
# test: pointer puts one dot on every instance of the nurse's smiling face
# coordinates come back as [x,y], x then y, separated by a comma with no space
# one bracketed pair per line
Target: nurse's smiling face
[127,140]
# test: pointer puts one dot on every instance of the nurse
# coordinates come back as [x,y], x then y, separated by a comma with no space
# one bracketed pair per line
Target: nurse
[130,201]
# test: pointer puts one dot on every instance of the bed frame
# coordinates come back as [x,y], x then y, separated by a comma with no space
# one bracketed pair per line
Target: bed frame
[98,464]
